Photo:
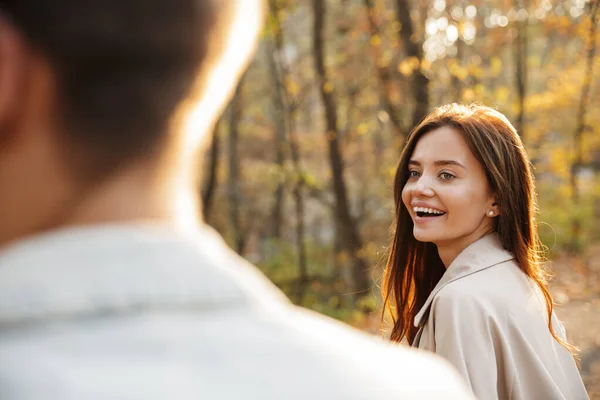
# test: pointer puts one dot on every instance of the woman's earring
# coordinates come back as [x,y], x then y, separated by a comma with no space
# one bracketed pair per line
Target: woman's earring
[491,213]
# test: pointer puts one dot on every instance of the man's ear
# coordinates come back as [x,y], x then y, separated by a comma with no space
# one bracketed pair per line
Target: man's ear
[12,72]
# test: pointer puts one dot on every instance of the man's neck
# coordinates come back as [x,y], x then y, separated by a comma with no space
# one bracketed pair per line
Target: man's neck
[137,194]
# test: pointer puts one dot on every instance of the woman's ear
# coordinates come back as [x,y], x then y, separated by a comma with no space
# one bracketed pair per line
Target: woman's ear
[494,209]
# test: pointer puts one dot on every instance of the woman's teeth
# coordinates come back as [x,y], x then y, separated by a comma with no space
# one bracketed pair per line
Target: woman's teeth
[422,210]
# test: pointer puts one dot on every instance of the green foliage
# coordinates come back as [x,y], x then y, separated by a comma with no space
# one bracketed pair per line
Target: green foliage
[557,213]
[324,292]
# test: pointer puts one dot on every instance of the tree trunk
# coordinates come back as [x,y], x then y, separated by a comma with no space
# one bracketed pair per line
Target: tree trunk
[349,235]
[211,180]
[596,204]
[233,182]
[282,75]
[383,71]
[520,51]
[580,127]
[299,210]
[280,144]
[457,85]
[413,49]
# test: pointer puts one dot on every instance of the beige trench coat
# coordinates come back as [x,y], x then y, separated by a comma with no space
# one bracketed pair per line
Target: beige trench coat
[488,319]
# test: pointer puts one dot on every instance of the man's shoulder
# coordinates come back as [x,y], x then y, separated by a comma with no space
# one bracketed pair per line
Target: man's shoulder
[366,361]
[156,315]
[279,352]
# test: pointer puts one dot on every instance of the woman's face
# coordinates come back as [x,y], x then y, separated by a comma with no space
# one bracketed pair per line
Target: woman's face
[447,193]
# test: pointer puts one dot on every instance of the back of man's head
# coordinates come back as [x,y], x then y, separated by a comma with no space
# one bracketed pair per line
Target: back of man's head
[121,66]
[106,78]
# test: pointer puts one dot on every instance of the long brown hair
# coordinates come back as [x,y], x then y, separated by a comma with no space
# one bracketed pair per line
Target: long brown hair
[414,268]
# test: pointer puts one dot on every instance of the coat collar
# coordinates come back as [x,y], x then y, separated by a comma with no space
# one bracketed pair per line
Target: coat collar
[478,256]
[120,269]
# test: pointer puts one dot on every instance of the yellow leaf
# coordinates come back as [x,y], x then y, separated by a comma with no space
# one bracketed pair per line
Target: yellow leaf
[376,40]
[501,94]
[328,87]
[292,87]
[475,71]
[362,129]
[479,89]
[425,65]
[496,66]
[565,191]
[405,68]
[414,62]
[560,162]
[468,95]
[458,71]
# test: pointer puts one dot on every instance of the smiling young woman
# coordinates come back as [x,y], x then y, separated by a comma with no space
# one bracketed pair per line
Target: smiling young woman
[464,278]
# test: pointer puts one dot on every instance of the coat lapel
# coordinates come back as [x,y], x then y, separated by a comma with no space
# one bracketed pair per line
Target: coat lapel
[478,256]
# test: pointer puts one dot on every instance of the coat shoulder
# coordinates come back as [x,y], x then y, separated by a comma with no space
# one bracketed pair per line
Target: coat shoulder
[501,292]
[486,283]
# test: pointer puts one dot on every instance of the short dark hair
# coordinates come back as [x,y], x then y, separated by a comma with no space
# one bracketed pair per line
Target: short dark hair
[122,67]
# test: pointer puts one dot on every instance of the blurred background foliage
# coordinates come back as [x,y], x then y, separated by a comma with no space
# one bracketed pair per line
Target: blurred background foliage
[300,172]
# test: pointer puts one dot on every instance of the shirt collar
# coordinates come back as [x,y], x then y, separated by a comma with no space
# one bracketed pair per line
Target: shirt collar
[478,256]
[122,268]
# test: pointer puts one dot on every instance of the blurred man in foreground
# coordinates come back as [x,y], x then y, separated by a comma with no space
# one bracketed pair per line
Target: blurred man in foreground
[109,288]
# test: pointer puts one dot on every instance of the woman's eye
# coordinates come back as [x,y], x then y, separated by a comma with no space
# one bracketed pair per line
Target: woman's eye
[446,176]
[413,174]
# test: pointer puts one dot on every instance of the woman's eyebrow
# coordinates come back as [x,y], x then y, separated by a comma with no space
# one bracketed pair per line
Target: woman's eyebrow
[438,163]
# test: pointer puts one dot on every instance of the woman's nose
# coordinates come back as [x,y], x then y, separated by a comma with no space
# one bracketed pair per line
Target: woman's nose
[422,188]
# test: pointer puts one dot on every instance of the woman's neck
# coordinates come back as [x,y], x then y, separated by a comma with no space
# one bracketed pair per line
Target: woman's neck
[449,250]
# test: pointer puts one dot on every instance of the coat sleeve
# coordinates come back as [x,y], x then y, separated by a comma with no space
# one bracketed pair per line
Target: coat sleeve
[467,335]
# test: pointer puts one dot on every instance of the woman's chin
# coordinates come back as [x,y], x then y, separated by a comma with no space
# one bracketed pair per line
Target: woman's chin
[426,236]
